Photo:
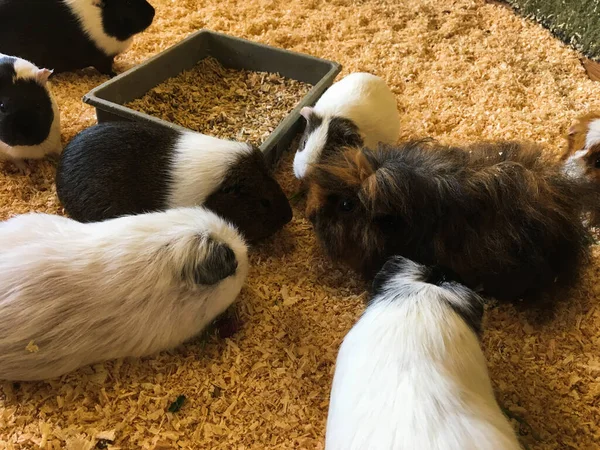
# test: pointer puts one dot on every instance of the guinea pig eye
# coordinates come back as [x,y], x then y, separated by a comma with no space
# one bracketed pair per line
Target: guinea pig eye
[3,107]
[233,189]
[597,163]
[346,204]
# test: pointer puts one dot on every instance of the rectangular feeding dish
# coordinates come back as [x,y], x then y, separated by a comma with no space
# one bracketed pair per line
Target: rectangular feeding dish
[232,53]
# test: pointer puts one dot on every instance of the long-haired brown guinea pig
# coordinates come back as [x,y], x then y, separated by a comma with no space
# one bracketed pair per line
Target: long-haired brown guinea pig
[507,221]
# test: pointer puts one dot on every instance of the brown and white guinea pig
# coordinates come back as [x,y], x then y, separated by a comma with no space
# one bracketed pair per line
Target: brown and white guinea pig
[29,116]
[411,374]
[498,214]
[118,168]
[582,157]
[360,109]
[67,35]
[74,294]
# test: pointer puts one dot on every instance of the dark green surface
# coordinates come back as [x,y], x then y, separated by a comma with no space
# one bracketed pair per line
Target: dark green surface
[575,22]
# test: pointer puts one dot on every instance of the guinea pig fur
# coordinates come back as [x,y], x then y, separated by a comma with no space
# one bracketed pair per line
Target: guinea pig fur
[29,116]
[360,109]
[501,216]
[118,168]
[582,157]
[411,375]
[67,35]
[126,287]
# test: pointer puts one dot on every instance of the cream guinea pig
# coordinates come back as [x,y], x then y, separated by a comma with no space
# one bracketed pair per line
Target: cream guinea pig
[74,294]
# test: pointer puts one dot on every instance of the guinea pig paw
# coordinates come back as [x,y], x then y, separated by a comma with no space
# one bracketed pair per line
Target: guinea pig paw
[219,263]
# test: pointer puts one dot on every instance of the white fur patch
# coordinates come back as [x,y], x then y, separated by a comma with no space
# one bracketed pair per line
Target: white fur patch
[90,18]
[312,150]
[200,165]
[86,293]
[25,70]
[574,166]
[593,134]
[411,374]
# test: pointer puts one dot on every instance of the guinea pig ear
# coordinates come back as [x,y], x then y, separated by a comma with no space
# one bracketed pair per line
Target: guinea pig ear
[349,166]
[378,192]
[364,168]
[572,130]
[306,112]
[42,75]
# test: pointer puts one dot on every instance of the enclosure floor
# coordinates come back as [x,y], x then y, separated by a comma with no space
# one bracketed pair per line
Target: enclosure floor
[461,70]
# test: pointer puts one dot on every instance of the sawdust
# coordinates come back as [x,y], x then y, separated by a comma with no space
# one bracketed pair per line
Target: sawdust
[232,104]
[462,70]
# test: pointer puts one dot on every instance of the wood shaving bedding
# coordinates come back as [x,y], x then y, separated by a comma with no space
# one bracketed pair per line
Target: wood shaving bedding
[241,105]
[462,70]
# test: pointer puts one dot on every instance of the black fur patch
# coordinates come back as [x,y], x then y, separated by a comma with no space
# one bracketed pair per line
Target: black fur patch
[7,69]
[438,275]
[312,123]
[390,269]
[123,19]
[250,198]
[116,168]
[341,133]
[471,308]
[220,262]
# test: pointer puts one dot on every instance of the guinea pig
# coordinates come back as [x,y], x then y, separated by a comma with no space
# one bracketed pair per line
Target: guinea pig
[411,374]
[118,168]
[75,294]
[505,219]
[360,109]
[67,35]
[29,116]
[582,157]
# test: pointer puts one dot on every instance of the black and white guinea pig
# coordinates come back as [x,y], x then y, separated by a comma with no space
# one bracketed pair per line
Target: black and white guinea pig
[360,109]
[29,116]
[411,374]
[500,214]
[67,35]
[118,168]
[74,294]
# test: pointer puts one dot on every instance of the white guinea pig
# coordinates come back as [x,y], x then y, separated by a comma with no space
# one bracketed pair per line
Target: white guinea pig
[29,116]
[359,110]
[74,294]
[410,374]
